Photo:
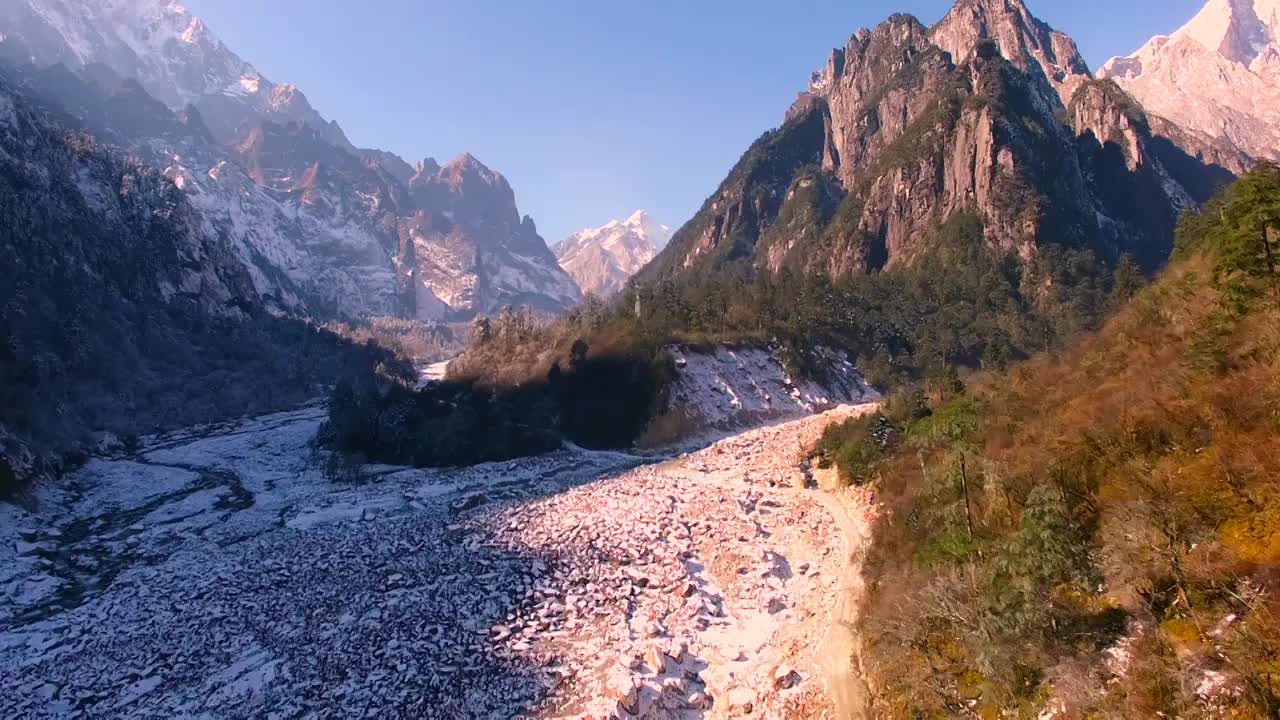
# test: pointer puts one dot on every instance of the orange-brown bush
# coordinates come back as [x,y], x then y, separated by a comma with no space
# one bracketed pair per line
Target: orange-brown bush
[1123,556]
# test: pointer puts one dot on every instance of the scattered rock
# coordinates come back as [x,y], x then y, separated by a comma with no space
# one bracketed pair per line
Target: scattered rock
[622,593]
[785,678]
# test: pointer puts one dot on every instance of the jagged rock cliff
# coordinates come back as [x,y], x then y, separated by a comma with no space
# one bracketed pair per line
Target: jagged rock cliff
[988,112]
[1048,57]
[469,244]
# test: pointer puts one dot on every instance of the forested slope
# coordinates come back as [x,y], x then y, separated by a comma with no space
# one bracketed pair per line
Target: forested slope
[1096,531]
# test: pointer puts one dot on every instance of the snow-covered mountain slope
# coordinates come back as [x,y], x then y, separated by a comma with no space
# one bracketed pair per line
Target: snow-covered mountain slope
[323,228]
[169,51]
[1219,74]
[302,255]
[602,259]
[726,388]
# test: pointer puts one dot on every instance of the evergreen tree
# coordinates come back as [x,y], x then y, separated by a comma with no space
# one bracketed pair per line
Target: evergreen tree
[1125,283]
[1250,220]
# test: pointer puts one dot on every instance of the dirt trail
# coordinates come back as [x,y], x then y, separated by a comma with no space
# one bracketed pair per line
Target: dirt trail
[839,653]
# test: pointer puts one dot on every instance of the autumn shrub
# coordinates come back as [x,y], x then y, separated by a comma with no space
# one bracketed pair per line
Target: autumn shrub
[1095,530]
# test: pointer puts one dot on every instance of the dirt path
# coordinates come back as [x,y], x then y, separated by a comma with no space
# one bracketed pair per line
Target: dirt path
[839,653]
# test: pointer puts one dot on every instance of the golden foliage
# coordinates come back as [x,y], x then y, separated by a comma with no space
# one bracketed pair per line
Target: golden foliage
[1165,471]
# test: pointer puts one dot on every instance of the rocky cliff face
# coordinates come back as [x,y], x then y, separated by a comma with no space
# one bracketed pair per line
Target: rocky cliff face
[989,112]
[602,259]
[469,244]
[322,228]
[1218,76]
[1048,57]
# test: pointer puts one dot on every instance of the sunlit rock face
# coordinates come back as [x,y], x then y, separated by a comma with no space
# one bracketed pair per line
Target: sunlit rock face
[602,259]
[1218,75]
[989,112]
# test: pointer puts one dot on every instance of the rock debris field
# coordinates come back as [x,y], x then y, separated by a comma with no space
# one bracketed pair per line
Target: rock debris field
[232,572]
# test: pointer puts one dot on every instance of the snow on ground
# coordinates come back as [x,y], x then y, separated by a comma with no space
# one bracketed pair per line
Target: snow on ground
[433,373]
[732,388]
[223,571]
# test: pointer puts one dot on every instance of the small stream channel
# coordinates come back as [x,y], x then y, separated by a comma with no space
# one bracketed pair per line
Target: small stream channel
[89,553]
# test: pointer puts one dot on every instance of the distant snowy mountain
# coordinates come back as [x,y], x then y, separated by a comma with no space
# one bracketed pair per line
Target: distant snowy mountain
[322,227]
[1219,74]
[602,259]
[169,51]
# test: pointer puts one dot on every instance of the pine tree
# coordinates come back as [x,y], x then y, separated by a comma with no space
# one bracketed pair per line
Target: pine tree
[1125,283]
[1250,220]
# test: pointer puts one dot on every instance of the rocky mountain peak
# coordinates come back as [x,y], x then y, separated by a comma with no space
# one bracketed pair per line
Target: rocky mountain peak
[907,128]
[1217,76]
[602,259]
[469,189]
[857,70]
[898,31]
[426,167]
[1027,42]
[465,168]
[1236,29]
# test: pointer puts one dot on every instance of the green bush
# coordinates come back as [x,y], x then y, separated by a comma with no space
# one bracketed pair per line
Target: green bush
[855,446]
[598,402]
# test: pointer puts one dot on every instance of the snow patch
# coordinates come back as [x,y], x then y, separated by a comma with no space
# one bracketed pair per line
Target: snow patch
[728,388]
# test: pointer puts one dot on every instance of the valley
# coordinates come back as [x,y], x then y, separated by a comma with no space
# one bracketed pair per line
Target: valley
[229,568]
[957,397]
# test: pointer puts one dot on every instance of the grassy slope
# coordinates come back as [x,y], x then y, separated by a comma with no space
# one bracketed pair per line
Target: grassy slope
[1125,501]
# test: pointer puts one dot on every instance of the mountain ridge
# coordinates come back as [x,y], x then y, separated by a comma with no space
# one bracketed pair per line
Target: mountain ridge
[324,228]
[602,259]
[910,125]
[1219,75]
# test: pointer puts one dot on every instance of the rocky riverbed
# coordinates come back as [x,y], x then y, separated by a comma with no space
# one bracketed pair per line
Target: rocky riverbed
[236,572]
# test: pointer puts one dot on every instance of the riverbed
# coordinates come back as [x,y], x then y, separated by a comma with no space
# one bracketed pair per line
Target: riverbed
[238,571]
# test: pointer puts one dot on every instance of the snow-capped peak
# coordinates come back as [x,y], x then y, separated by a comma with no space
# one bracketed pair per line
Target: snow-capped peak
[1237,29]
[1219,74]
[602,259]
[654,233]
[1209,26]
[169,51]
[158,42]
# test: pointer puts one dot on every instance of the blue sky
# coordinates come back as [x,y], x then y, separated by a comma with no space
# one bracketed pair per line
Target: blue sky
[591,108]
